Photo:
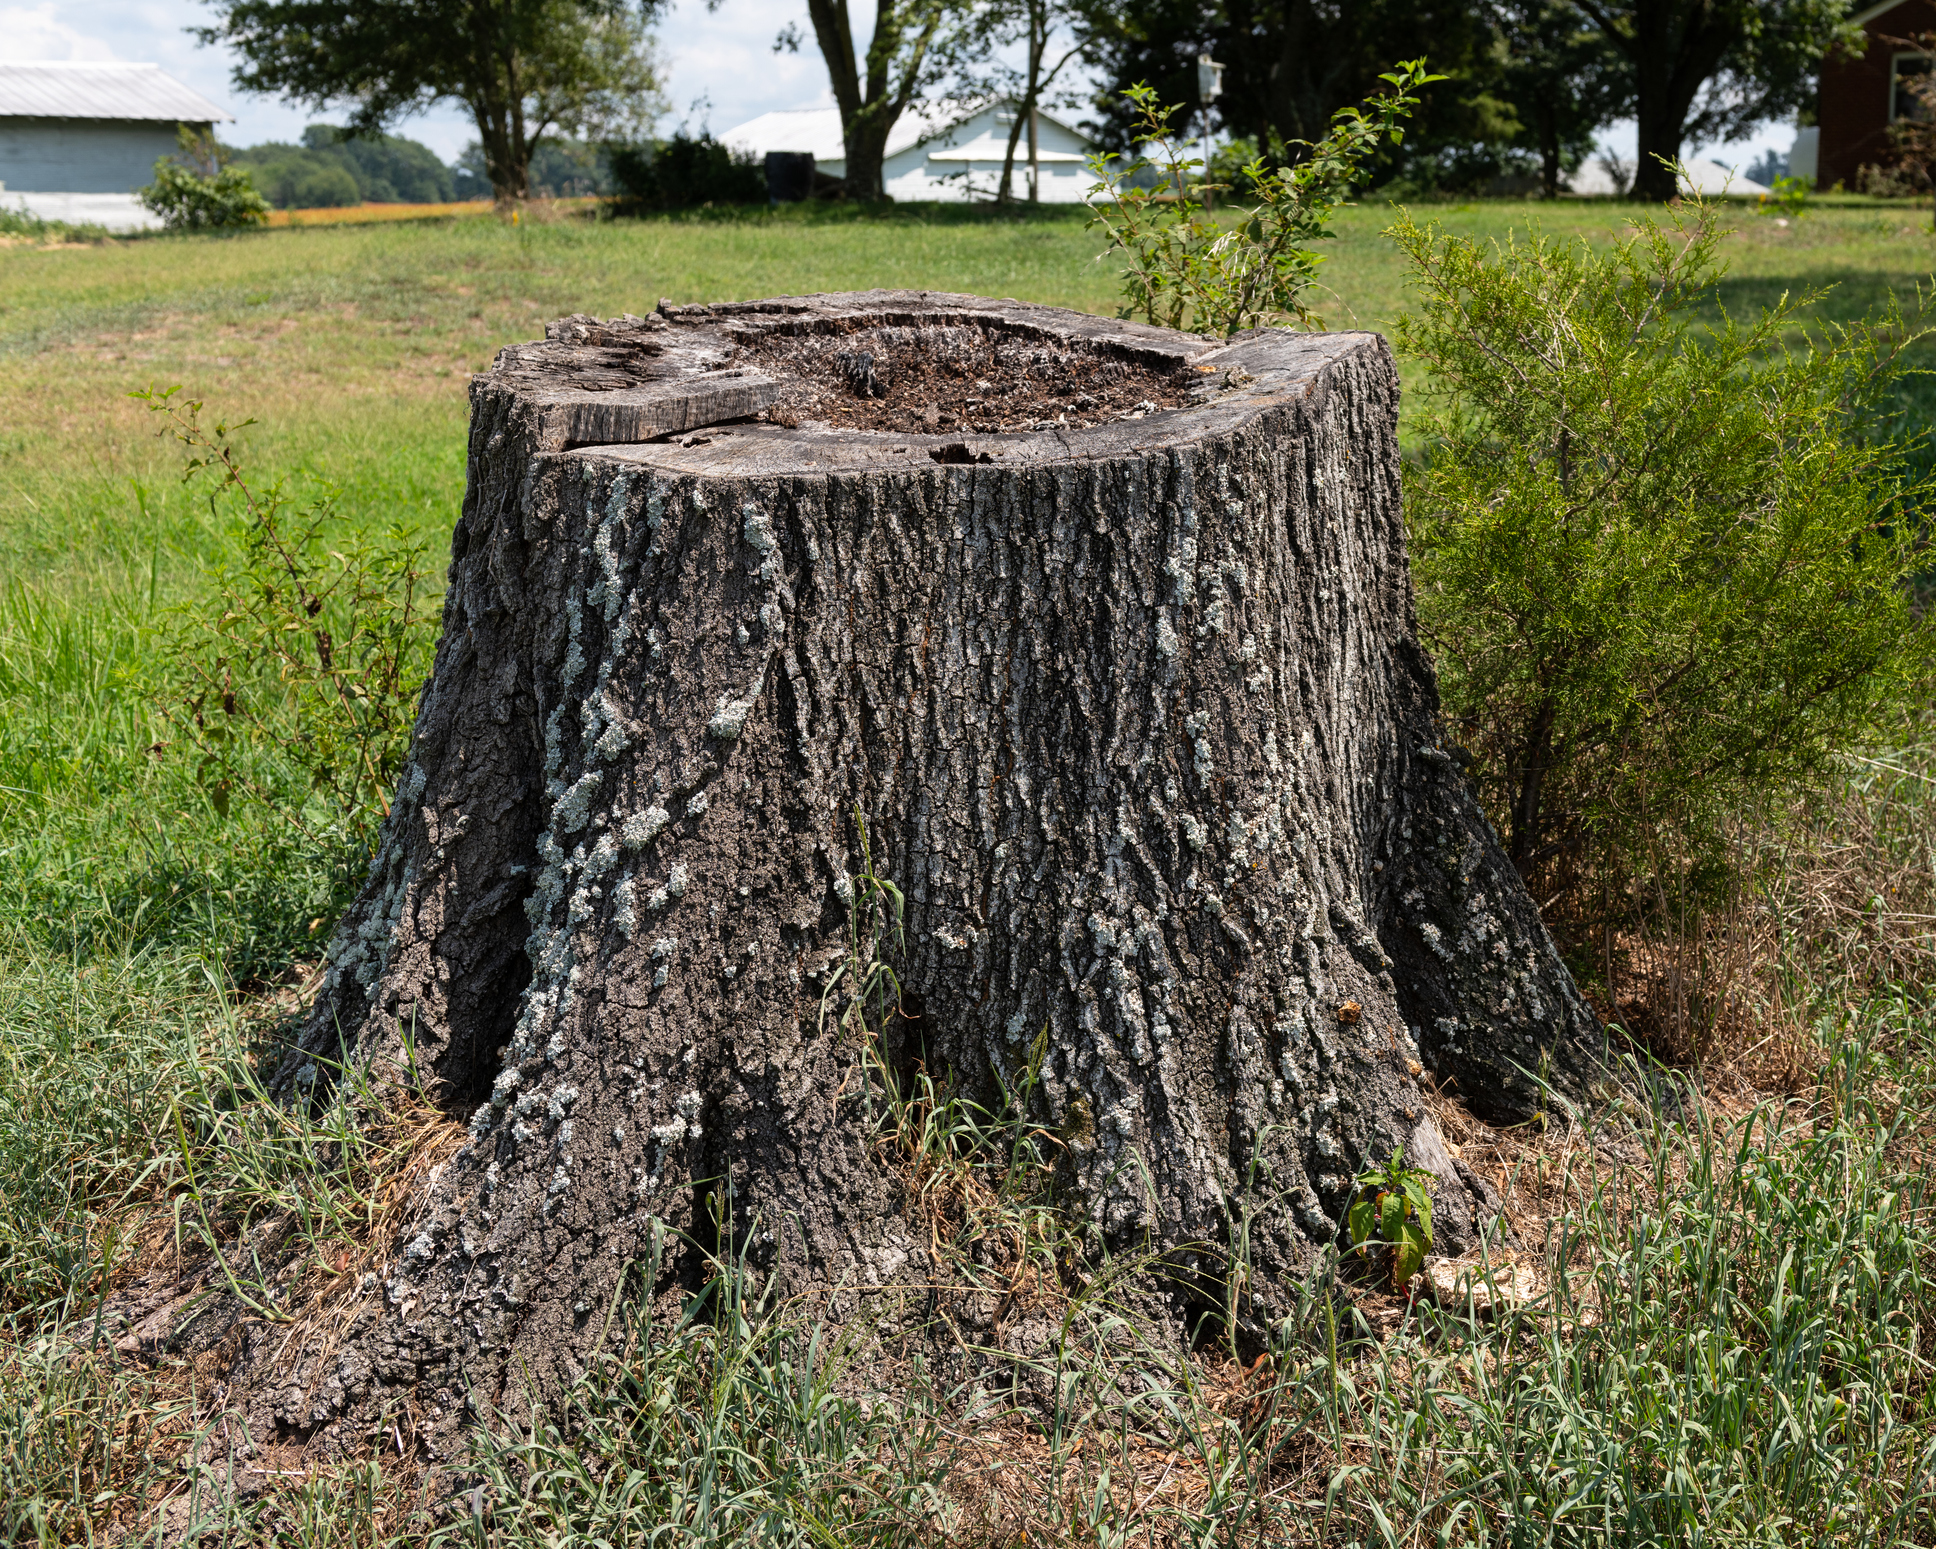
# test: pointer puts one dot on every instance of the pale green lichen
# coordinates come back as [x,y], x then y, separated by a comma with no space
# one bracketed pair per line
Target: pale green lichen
[729,720]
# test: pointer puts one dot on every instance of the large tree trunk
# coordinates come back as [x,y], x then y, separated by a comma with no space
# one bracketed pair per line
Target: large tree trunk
[1131,704]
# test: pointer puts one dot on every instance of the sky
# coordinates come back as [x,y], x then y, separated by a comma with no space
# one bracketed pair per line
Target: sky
[723,57]
[721,68]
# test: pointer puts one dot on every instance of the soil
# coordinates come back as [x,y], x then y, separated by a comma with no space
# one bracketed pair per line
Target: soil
[927,380]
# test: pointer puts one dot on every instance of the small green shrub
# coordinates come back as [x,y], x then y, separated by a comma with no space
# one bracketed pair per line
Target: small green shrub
[1786,196]
[1390,1217]
[1190,269]
[309,652]
[17,221]
[1663,563]
[197,190]
[686,172]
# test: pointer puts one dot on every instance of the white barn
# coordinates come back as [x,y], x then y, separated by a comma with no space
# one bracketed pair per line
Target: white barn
[1703,177]
[936,152]
[76,140]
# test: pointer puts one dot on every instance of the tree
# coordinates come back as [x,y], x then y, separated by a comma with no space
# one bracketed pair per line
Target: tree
[1091,770]
[332,167]
[1563,78]
[1913,135]
[1053,34]
[1712,69]
[523,67]
[873,95]
[1290,65]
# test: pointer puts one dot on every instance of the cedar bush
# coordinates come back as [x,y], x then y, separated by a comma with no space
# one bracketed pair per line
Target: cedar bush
[685,172]
[1663,555]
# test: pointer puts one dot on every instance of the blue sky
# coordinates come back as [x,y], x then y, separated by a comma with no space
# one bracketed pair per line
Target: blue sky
[720,67]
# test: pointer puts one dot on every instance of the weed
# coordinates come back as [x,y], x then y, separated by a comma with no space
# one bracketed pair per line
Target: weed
[1390,1217]
[314,653]
[1218,276]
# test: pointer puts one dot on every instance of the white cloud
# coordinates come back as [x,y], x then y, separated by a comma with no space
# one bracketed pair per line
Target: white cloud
[36,32]
[722,68]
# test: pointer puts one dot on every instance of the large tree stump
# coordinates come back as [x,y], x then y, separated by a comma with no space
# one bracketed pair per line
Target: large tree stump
[1105,631]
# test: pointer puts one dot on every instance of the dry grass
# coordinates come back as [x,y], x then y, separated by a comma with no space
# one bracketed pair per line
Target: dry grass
[366,214]
[543,211]
[1836,903]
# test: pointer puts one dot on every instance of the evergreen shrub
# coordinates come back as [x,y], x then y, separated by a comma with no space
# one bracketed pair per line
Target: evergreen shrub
[1663,555]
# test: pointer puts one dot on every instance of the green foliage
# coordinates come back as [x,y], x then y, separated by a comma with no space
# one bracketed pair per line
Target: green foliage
[1390,1216]
[196,189]
[1289,68]
[313,652]
[1662,563]
[1563,80]
[15,221]
[1718,70]
[1786,196]
[1188,268]
[686,172]
[332,169]
[525,67]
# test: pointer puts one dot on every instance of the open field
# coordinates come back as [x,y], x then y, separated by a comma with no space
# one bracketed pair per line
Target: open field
[1743,1357]
[352,343]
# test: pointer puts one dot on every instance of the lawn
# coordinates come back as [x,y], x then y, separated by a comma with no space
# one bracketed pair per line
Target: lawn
[140,929]
[352,343]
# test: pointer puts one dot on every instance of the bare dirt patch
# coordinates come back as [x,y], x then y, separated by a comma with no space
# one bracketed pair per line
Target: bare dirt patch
[924,380]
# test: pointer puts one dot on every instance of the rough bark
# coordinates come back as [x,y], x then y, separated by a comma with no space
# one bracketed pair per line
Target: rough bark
[1136,716]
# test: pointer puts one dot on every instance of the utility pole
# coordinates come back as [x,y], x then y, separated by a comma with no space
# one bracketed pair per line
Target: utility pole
[1035,170]
[1209,88]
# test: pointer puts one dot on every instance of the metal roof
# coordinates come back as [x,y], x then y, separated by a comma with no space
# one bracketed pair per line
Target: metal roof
[102,91]
[1863,17]
[819,130]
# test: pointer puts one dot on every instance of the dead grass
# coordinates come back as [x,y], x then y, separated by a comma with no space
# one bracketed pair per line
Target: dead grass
[1837,903]
[368,214]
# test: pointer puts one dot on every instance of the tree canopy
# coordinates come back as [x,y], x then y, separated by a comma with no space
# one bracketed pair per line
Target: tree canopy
[1529,82]
[332,167]
[1713,69]
[523,67]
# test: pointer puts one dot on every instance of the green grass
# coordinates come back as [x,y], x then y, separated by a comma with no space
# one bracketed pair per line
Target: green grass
[1756,1368]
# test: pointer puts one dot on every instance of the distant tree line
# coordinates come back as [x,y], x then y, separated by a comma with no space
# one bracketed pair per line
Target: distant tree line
[1529,83]
[330,169]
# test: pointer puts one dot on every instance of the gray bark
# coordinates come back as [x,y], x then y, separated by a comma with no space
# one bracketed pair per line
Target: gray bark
[1136,716]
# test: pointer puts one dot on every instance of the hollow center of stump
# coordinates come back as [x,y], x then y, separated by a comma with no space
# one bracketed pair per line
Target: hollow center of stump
[961,376]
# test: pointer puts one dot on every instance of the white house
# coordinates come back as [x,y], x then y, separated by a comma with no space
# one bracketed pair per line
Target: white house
[936,152]
[76,140]
[1702,177]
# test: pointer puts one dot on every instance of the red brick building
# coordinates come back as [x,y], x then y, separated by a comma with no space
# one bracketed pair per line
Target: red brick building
[1862,97]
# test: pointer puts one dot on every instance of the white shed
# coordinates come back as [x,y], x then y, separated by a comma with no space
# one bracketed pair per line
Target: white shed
[1702,177]
[76,140]
[935,151]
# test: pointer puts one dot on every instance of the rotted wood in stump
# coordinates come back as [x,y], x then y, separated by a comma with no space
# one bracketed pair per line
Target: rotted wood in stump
[1114,653]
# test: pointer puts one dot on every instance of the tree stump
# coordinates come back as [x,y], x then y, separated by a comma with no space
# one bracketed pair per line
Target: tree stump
[1106,634]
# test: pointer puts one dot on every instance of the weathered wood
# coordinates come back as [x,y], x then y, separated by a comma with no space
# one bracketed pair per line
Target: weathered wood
[1136,715]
